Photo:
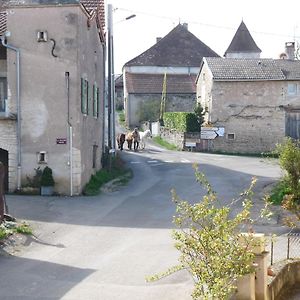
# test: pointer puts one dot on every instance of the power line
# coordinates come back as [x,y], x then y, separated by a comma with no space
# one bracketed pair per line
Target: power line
[174,19]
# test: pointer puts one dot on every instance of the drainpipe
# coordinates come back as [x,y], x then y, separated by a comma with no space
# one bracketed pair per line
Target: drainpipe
[67,76]
[19,167]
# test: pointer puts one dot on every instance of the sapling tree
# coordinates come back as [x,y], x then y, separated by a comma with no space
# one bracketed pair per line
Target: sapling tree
[212,248]
[199,112]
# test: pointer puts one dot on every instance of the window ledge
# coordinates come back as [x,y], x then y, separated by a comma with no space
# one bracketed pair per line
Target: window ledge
[7,116]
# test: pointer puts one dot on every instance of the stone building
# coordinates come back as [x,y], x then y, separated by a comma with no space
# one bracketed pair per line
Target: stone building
[51,91]
[256,101]
[178,55]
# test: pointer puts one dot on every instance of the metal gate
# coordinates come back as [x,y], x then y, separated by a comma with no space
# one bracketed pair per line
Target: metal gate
[292,124]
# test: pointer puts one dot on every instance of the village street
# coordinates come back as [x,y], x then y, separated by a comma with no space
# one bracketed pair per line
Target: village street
[103,247]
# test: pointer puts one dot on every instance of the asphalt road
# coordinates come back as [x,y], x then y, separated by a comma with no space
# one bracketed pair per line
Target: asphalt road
[103,247]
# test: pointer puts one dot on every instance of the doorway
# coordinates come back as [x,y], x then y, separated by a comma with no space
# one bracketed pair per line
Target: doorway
[4,160]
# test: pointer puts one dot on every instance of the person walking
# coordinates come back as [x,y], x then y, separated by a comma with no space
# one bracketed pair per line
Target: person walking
[136,138]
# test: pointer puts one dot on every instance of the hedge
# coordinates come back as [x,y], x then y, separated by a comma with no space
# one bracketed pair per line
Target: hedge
[181,121]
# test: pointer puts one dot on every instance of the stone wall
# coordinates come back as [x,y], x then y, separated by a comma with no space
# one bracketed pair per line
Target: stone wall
[172,137]
[289,276]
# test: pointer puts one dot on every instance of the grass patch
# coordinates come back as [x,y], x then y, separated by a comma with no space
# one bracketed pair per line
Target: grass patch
[7,228]
[117,170]
[279,191]
[163,143]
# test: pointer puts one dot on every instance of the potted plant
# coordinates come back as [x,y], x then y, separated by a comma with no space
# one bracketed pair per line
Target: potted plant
[47,182]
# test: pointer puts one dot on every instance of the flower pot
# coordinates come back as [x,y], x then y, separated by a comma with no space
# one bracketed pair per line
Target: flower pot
[47,190]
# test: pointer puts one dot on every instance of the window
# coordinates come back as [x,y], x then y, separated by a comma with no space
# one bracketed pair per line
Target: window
[95,101]
[42,36]
[230,136]
[84,96]
[292,89]
[3,94]
[42,157]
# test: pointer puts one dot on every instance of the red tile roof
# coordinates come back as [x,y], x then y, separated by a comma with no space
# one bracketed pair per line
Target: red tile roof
[153,83]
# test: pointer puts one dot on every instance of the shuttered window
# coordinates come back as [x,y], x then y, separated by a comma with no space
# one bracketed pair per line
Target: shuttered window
[84,96]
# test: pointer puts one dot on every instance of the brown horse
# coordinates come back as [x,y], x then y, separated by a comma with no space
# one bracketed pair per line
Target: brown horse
[129,139]
[121,140]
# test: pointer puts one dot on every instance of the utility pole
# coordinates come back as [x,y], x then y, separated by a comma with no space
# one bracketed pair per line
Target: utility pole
[110,77]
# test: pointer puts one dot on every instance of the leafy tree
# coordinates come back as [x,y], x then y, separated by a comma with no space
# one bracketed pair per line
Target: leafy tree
[199,112]
[213,250]
[289,160]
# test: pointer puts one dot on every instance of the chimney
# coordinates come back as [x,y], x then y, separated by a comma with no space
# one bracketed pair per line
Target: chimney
[290,50]
[158,39]
[185,25]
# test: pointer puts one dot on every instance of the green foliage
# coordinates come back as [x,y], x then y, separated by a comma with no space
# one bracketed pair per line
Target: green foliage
[121,117]
[212,248]
[199,112]
[182,121]
[148,111]
[289,160]
[105,175]
[163,143]
[8,228]
[35,181]
[47,177]
[279,191]
[288,190]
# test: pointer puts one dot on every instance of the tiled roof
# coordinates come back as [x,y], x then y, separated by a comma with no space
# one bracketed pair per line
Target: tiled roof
[2,22]
[153,83]
[178,48]
[242,41]
[253,69]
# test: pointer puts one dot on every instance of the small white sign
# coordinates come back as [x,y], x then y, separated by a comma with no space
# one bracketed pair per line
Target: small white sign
[208,135]
[190,144]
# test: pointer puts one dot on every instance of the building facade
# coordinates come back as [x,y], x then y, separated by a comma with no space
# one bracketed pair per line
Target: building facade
[52,83]
[178,55]
[256,101]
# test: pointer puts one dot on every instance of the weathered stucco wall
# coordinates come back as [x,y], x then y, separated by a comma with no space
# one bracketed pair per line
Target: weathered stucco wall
[45,106]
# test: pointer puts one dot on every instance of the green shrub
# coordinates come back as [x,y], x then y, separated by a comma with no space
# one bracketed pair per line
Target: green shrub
[289,160]
[47,178]
[182,121]
[105,175]
[279,191]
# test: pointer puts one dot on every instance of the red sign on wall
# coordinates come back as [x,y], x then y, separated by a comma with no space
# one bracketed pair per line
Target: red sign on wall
[61,141]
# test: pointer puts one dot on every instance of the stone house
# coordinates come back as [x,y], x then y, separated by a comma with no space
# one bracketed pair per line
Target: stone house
[178,55]
[52,91]
[256,101]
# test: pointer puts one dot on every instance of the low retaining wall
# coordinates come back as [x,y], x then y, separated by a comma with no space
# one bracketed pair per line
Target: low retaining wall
[287,277]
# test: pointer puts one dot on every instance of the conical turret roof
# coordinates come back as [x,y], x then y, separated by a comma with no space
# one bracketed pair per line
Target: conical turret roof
[242,42]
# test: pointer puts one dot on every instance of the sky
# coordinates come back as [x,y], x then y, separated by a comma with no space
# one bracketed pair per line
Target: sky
[214,22]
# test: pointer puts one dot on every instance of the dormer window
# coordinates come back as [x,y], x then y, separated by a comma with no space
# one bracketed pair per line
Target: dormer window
[42,36]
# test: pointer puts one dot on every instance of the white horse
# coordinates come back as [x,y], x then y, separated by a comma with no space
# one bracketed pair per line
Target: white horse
[143,136]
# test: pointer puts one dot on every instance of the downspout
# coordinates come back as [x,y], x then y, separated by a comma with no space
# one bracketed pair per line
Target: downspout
[67,76]
[104,100]
[19,167]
